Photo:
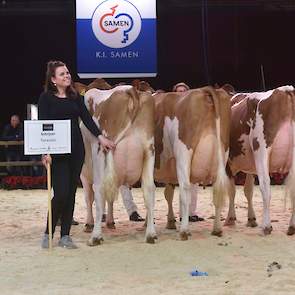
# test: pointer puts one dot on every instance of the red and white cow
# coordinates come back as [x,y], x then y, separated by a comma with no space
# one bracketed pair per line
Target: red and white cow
[192,142]
[262,141]
[127,117]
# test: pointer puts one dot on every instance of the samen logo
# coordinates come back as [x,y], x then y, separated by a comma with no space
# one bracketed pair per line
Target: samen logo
[116,24]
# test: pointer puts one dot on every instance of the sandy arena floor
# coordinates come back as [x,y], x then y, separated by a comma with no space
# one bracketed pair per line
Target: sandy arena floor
[237,263]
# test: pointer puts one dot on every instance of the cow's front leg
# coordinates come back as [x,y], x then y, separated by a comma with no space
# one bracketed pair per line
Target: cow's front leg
[169,192]
[98,172]
[183,168]
[148,187]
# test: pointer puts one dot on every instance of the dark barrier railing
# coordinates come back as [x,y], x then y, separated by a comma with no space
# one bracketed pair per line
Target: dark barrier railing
[17,163]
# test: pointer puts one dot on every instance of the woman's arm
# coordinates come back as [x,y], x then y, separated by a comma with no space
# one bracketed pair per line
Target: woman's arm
[87,119]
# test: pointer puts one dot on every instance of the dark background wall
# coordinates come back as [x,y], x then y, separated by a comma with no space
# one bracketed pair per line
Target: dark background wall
[199,42]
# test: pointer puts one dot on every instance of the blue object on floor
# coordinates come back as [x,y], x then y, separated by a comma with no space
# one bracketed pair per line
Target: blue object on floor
[196,273]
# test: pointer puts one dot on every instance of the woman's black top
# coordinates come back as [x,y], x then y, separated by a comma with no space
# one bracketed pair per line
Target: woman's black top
[51,107]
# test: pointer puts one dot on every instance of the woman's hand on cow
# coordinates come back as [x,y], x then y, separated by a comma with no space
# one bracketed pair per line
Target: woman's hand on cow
[106,143]
[46,159]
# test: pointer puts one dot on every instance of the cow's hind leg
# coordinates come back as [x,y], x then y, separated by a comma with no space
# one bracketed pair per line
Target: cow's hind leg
[183,162]
[110,216]
[148,187]
[169,192]
[98,163]
[248,190]
[291,188]
[89,199]
[231,216]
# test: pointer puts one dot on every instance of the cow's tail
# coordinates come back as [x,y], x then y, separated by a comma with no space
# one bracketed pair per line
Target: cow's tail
[110,182]
[220,186]
[109,187]
[290,181]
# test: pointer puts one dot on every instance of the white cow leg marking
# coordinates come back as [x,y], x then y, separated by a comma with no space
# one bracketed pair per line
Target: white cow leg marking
[89,199]
[248,190]
[98,170]
[231,216]
[261,163]
[183,164]
[148,187]
[169,192]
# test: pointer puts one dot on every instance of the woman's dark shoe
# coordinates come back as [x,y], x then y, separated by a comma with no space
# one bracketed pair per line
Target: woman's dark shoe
[194,218]
[45,241]
[136,217]
[67,242]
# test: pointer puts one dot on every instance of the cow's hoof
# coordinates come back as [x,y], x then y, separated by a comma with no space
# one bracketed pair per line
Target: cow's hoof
[267,230]
[252,222]
[111,225]
[291,231]
[88,228]
[217,233]
[151,239]
[94,242]
[184,236]
[230,221]
[171,224]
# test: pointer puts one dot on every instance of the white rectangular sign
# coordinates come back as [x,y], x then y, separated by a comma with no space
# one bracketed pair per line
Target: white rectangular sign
[47,137]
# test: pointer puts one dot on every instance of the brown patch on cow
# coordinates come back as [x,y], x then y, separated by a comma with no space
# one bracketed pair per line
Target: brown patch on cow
[275,110]
[196,113]
[124,107]
[241,116]
[255,144]
[91,106]
[116,112]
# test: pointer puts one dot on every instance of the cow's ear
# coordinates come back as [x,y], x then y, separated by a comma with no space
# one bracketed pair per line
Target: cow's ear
[136,83]
[81,88]
[229,89]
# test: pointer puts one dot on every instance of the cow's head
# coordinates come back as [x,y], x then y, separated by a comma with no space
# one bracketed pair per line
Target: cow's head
[142,86]
[99,84]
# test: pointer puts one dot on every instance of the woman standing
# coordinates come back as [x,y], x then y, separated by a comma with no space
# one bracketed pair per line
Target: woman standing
[60,101]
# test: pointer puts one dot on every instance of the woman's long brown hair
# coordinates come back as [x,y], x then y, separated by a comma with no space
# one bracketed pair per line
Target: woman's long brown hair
[50,72]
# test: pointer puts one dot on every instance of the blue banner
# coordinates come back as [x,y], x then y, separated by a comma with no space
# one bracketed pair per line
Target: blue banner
[116,38]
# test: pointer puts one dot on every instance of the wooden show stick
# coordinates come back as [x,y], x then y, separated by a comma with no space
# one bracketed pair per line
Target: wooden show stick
[48,168]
